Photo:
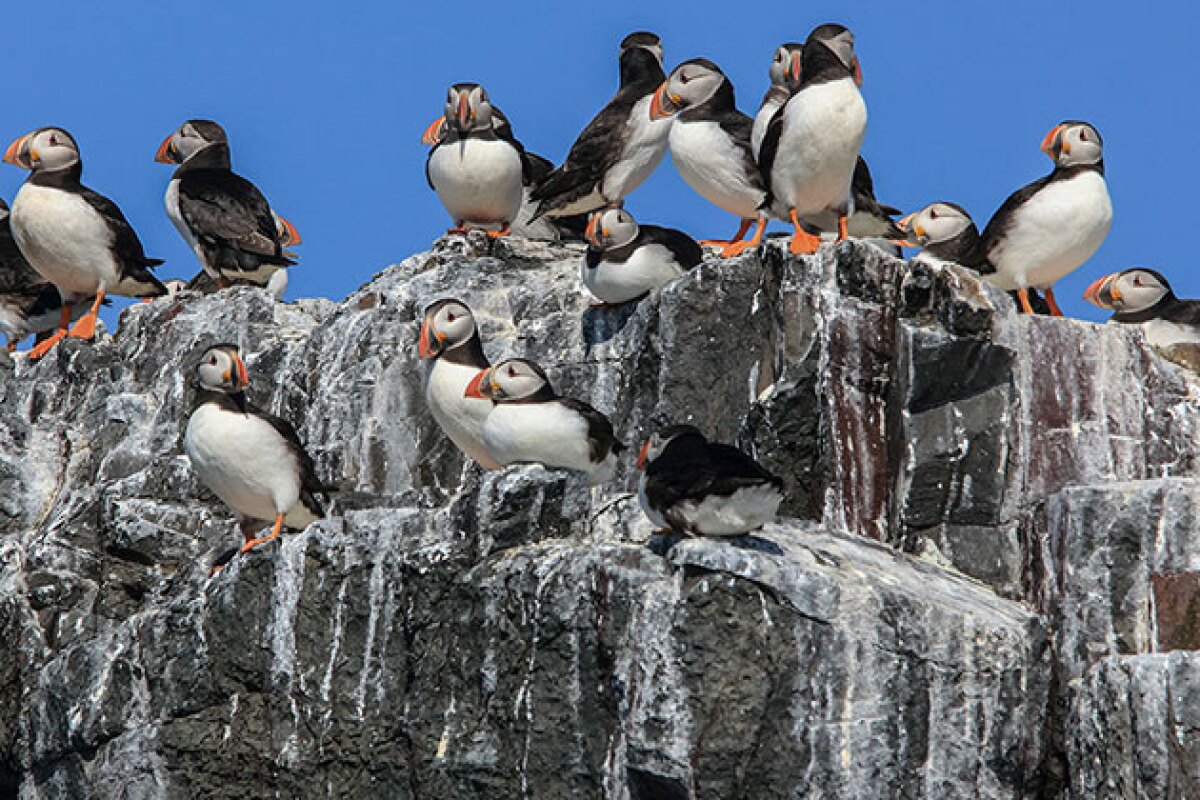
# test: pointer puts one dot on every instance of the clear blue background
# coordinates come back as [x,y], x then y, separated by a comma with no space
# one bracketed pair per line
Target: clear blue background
[325,104]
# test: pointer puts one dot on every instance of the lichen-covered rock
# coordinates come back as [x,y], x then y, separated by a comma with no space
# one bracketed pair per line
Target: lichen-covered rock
[453,633]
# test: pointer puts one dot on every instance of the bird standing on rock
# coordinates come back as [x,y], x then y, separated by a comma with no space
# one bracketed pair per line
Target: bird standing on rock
[1049,228]
[222,216]
[530,423]
[625,260]
[693,486]
[710,145]
[476,172]
[75,238]
[620,147]
[811,147]
[252,460]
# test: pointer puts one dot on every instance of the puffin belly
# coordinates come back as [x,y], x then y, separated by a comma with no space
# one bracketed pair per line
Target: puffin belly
[478,180]
[460,418]
[648,268]
[823,130]
[645,146]
[64,239]
[747,509]
[543,433]
[715,167]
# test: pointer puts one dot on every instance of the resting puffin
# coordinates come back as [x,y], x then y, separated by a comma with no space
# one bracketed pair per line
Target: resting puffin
[253,461]
[620,147]
[222,216]
[811,148]
[1143,296]
[476,172]
[75,238]
[785,79]
[625,261]
[449,343]
[534,169]
[530,423]
[694,486]
[710,145]
[1053,225]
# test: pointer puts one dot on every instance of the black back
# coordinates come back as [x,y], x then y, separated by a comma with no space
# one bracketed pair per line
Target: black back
[684,249]
[601,439]
[692,468]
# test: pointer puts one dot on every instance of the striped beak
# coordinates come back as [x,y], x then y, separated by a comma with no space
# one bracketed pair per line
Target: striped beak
[1104,293]
[662,105]
[18,154]
[433,133]
[482,386]
[1050,144]
[641,459]
[429,343]
[166,151]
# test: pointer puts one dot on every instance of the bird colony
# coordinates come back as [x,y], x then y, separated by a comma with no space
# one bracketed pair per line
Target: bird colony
[64,248]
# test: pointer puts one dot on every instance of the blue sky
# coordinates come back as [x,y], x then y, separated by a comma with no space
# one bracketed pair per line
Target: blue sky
[325,104]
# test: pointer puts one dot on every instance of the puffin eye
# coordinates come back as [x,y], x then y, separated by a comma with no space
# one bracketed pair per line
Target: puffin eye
[1083,137]
[213,361]
[684,77]
[450,316]
[1137,280]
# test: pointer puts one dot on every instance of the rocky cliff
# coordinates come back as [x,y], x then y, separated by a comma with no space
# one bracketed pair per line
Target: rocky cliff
[986,583]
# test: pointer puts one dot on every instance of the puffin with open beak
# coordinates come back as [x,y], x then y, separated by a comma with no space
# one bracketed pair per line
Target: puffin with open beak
[620,147]
[531,423]
[74,237]
[253,461]
[690,485]
[710,146]
[625,260]
[1143,297]
[452,350]
[811,149]
[476,172]
[222,216]
[1052,226]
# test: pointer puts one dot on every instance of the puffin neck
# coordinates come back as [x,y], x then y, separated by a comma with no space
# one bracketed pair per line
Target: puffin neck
[962,249]
[1146,314]
[63,178]
[542,395]
[721,102]
[215,156]
[1063,173]
[231,402]
[820,65]
[469,353]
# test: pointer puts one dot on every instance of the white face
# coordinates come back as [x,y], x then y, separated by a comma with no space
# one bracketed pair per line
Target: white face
[468,107]
[779,66]
[842,46]
[691,85]
[1136,290]
[1073,143]
[613,227]
[185,143]
[514,379]
[44,149]
[448,326]
[937,222]
[222,370]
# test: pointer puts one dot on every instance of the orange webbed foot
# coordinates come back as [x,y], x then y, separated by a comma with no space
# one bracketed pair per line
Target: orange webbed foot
[500,233]
[85,328]
[734,249]
[46,345]
[804,244]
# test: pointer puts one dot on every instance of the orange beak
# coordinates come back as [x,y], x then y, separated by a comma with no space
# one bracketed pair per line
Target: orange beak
[433,134]
[1049,141]
[243,380]
[641,459]
[290,236]
[1100,294]
[429,344]
[589,233]
[905,225]
[476,388]
[165,153]
[795,69]
[464,110]
[858,79]
[13,154]
[661,106]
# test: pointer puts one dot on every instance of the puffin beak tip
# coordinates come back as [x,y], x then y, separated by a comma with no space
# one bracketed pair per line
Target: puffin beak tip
[165,153]
[475,388]
[433,133]
[13,154]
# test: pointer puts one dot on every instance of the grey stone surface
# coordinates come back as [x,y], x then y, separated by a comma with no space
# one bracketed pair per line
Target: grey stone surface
[449,633]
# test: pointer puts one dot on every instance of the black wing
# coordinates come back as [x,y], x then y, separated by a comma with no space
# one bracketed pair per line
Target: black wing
[225,210]
[998,225]
[739,128]
[535,168]
[684,248]
[698,469]
[596,149]
[769,148]
[862,186]
[16,275]
[1184,312]
[310,484]
[126,247]
[601,438]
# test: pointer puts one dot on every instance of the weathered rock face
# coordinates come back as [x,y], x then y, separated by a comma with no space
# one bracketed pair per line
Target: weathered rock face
[454,634]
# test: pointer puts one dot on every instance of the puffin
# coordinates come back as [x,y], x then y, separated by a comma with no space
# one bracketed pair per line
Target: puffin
[476,172]
[28,302]
[222,216]
[710,145]
[785,78]
[253,461]
[534,169]
[450,346]
[690,485]
[1143,296]
[811,147]
[74,237]
[1052,226]
[620,147]
[625,261]
[276,285]
[530,422]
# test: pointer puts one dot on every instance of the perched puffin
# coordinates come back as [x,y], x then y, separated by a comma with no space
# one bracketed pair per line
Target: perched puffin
[75,238]
[694,486]
[785,79]
[710,145]
[250,459]
[476,172]
[222,216]
[534,169]
[625,261]
[811,148]
[1143,296]
[276,285]
[449,343]
[28,302]
[1053,225]
[530,423]
[620,147]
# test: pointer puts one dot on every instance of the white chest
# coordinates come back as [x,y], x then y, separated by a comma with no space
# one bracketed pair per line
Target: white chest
[823,130]
[650,267]
[716,166]
[1161,333]
[171,201]
[544,433]
[478,180]
[64,239]
[460,418]
[645,145]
